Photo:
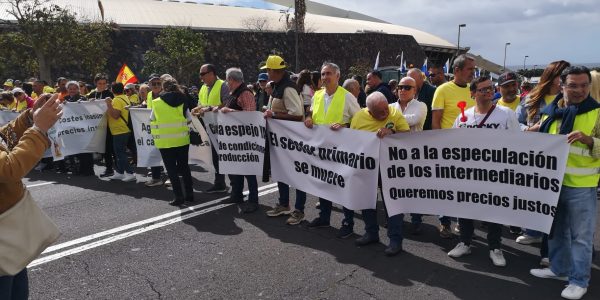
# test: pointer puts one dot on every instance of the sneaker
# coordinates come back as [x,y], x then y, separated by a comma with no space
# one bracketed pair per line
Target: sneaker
[176,202]
[107,173]
[445,232]
[516,230]
[457,229]
[168,183]
[249,207]
[344,232]
[460,250]
[217,189]
[318,223]
[117,176]
[573,292]
[295,218]
[129,177]
[545,262]
[278,210]
[366,239]
[497,258]
[528,240]
[547,273]
[153,182]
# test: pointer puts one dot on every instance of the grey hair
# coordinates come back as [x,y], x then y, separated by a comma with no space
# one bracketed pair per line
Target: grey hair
[331,65]
[350,83]
[461,60]
[234,74]
[374,99]
[72,82]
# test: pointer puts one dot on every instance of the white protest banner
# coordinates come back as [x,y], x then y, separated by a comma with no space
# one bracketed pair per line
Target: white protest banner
[511,178]
[81,129]
[149,155]
[239,138]
[7,115]
[340,166]
[201,154]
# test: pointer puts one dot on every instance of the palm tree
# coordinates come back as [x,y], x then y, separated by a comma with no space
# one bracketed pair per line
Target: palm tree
[299,14]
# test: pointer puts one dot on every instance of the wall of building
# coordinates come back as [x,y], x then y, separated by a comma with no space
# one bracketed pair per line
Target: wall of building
[248,50]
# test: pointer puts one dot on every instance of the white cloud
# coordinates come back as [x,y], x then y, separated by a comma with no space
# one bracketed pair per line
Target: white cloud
[530,12]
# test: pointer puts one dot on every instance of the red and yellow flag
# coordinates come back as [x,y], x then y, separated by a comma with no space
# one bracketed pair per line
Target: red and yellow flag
[126,76]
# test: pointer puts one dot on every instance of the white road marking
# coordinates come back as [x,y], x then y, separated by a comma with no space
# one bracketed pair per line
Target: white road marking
[141,223]
[40,184]
[131,233]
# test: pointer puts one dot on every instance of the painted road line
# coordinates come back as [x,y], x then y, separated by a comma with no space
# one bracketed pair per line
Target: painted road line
[40,184]
[131,233]
[141,223]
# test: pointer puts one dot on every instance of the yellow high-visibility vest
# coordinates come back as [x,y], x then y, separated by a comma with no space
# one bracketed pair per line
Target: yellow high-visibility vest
[582,169]
[335,111]
[169,128]
[214,97]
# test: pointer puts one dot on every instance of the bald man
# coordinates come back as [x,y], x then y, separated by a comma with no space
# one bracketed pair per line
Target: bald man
[425,93]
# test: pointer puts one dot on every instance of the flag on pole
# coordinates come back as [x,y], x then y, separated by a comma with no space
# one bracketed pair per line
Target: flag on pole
[477,73]
[126,76]
[376,62]
[447,66]
[404,69]
[424,67]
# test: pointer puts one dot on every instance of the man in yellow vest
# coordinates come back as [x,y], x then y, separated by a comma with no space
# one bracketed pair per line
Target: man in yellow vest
[332,106]
[212,95]
[576,115]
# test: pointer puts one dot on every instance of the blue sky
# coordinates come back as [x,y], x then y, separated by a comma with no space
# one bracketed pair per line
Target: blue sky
[545,30]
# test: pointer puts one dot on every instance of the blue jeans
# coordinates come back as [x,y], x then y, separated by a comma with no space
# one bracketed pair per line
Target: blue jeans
[237,187]
[14,287]
[571,244]
[119,147]
[394,225]
[284,196]
[325,213]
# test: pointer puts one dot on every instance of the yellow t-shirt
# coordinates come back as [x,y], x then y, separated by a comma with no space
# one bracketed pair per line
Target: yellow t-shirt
[549,98]
[446,97]
[513,105]
[18,106]
[134,99]
[119,126]
[363,120]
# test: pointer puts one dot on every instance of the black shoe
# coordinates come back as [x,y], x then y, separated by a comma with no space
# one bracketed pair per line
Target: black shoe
[107,173]
[366,239]
[176,202]
[189,199]
[393,249]
[249,207]
[416,229]
[344,232]
[318,223]
[515,230]
[217,189]
[234,200]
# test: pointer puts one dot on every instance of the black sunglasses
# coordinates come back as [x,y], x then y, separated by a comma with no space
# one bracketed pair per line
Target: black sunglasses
[405,87]
[204,73]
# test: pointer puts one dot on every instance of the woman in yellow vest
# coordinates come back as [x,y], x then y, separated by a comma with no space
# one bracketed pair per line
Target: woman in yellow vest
[170,131]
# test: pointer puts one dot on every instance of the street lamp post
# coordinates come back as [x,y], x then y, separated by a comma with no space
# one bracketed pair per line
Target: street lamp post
[458,41]
[524,60]
[504,66]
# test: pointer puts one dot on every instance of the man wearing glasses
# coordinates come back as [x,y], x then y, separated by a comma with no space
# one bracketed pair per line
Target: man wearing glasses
[485,114]
[212,95]
[436,75]
[577,117]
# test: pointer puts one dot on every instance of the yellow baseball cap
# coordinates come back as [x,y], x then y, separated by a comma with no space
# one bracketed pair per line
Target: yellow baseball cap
[9,82]
[275,62]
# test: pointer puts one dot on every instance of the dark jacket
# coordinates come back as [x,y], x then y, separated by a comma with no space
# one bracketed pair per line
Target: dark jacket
[385,90]
[101,95]
[77,98]
[426,96]
[175,99]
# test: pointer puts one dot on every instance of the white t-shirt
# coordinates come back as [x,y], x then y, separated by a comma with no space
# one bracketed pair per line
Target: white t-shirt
[501,118]
[307,94]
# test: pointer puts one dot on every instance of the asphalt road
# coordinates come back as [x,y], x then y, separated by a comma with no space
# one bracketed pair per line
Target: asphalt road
[123,241]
